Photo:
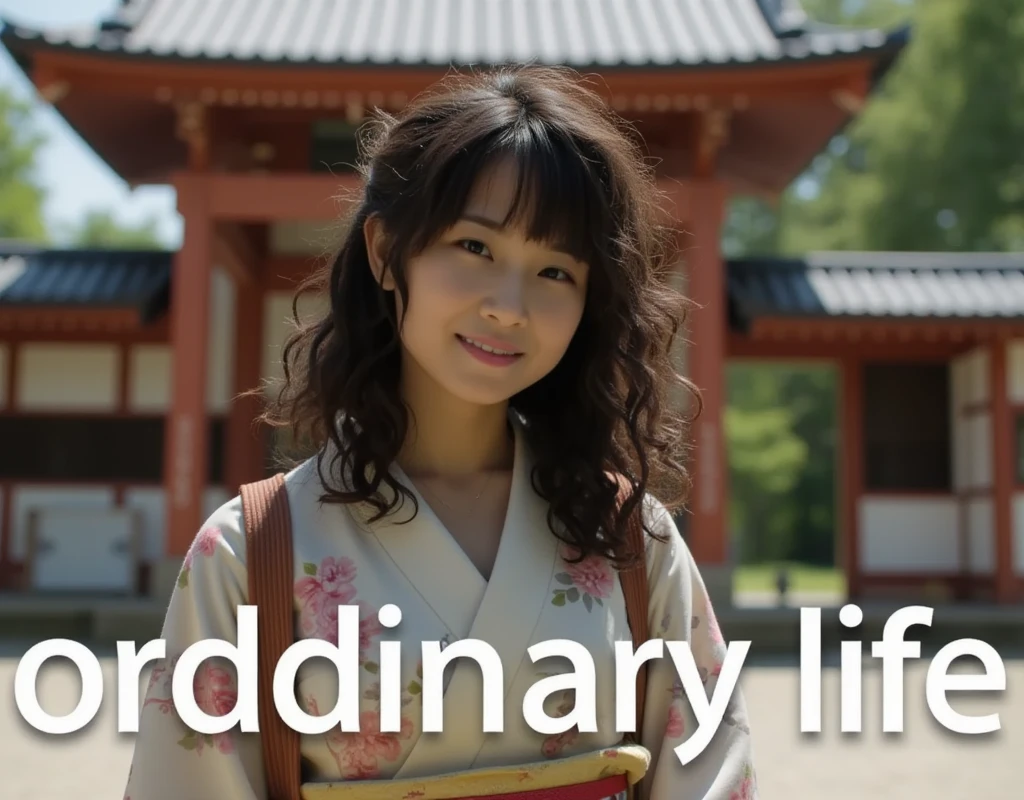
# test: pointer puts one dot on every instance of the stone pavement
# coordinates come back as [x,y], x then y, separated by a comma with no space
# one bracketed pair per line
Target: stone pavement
[925,761]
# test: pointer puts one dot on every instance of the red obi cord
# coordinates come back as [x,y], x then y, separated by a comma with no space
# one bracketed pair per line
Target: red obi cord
[593,790]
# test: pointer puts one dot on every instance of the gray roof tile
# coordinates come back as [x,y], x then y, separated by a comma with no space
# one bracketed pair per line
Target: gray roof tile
[93,278]
[880,285]
[581,33]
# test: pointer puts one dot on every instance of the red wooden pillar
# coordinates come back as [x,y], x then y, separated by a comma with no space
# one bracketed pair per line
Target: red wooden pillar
[1002,474]
[852,471]
[245,452]
[187,447]
[709,536]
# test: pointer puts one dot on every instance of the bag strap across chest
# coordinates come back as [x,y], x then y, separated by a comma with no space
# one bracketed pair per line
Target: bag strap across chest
[270,565]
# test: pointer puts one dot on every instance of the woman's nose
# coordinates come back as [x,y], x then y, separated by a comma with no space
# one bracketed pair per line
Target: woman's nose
[506,302]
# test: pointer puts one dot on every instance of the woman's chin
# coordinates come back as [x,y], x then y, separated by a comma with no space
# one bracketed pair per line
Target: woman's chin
[477,391]
[484,397]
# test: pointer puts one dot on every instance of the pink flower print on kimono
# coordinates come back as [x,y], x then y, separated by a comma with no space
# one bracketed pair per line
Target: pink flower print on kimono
[676,725]
[557,742]
[321,592]
[747,790]
[714,632]
[715,639]
[358,755]
[590,580]
[205,544]
[369,627]
[215,693]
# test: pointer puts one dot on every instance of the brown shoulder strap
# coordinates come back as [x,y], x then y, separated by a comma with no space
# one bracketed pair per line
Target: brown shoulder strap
[634,589]
[268,541]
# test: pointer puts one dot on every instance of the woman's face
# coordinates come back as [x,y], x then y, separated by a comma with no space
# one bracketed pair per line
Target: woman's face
[481,288]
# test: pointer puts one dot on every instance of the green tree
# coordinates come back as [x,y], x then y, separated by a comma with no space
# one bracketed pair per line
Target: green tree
[780,430]
[934,162]
[21,196]
[100,229]
[864,13]
[813,213]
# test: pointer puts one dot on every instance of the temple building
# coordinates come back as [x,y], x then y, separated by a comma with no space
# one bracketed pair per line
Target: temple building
[120,370]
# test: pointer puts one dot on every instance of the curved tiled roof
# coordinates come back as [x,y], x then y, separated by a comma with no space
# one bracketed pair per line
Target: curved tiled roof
[581,33]
[88,278]
[976,286]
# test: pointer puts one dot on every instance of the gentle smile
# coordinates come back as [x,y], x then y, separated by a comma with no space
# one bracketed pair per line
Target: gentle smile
[490,349]
[488,354]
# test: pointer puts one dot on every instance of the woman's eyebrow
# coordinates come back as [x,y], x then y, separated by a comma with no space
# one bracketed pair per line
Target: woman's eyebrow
[499,227]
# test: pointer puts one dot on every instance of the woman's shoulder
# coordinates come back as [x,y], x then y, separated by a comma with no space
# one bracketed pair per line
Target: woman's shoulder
[224,531]
[663,539]
[658,520]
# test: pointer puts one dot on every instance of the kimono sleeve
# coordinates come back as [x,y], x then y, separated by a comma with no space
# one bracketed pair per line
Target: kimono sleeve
[171,761]
[681,611]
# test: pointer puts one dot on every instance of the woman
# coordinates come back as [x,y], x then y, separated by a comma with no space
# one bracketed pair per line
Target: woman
[498,343]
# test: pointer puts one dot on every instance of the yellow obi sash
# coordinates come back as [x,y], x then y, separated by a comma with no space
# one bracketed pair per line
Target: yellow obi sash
[630,762]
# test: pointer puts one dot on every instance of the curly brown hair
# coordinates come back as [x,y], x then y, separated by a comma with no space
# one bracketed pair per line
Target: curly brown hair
[608,407]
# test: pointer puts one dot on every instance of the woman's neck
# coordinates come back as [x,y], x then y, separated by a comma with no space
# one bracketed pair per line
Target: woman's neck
[449,437]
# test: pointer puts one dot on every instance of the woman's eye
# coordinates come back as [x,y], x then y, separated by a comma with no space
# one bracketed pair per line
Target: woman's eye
[473,246]
[559,273]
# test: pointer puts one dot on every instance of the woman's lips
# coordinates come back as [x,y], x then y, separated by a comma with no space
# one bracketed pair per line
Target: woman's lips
[487,357]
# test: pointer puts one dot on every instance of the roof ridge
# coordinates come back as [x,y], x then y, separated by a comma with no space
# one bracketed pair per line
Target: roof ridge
[126,16]
[786,18]
[882,260]
[900,259]
[28,249]
[731,38]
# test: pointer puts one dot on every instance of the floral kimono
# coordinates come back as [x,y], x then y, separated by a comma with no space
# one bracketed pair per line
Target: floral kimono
[534,594]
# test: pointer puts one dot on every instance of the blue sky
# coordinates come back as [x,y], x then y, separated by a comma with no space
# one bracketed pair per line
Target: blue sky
[76,181]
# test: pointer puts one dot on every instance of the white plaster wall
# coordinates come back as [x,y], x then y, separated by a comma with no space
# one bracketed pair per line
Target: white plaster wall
[149,501]
[1018,533]
[278,326]
[220,356]
[294,237]
[971,432]
[980,534]
[909,534]
[152,506]
[87,550]
[4,388]
[151,366]
[978,376]
[25,498]
[1015,371]
[149,378]
[67,377]
[959,377]
[979,450]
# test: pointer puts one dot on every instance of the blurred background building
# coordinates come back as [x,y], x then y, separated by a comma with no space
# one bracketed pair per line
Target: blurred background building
[863,379]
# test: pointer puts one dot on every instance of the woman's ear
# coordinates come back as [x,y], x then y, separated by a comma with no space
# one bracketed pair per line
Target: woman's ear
[376,250]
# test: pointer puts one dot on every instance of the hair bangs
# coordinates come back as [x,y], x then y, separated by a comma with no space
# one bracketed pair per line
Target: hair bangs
[559,199]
